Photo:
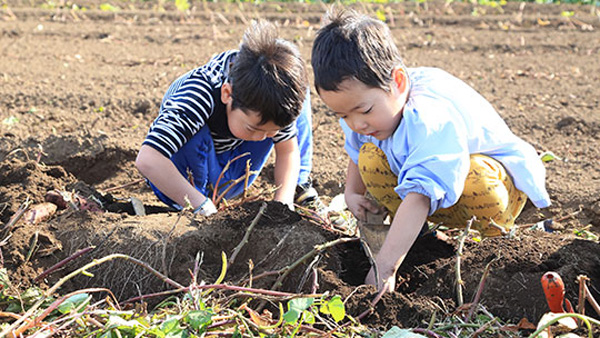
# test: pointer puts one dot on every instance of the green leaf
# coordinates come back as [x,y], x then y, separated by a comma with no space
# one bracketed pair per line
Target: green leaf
[295,308]
[336,308]
[567,14]
[396,332]
[107,334]
[179,333]
[182,5]
[199,319]
[170,324]
[291,316]
[548,156]
[324,309]
[106,7]
[308,317]
[116,322]
[31,294]
[73,302]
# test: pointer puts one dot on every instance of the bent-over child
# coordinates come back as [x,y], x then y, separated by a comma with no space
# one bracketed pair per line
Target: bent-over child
[421,142]
[237,107]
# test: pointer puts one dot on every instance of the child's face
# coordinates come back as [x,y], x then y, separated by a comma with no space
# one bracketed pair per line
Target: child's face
[367,110]
[247,127]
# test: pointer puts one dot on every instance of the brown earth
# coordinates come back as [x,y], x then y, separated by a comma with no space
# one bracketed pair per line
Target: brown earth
[80,88]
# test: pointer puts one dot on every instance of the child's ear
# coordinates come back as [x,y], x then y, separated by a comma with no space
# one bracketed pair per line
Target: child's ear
[226,93]
[399,76]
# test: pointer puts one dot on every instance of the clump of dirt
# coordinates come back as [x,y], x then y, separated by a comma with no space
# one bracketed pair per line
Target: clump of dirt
[171,243]
[427,284]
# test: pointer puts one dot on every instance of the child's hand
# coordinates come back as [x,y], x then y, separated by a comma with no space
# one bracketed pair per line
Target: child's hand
[386,282]
[206,208]
[358,204]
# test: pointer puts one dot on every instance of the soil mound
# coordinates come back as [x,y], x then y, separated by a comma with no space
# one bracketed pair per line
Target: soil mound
[181,246]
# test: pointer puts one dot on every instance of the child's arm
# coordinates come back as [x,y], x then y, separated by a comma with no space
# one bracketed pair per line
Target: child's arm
[405,229]
[354,194]
[164,175]
[287,168]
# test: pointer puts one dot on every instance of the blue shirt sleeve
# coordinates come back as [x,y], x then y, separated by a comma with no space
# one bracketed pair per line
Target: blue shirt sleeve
[435,162]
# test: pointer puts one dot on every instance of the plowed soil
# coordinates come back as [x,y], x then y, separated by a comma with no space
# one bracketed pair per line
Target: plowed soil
[79,89]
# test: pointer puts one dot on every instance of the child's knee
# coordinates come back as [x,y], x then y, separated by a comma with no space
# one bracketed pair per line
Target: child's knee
[489,195]
[487,185]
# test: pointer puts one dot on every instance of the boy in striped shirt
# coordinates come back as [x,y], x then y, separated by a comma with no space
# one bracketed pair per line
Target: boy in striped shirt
[240,104]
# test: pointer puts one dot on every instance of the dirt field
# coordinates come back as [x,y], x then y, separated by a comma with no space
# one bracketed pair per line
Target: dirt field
[80,88]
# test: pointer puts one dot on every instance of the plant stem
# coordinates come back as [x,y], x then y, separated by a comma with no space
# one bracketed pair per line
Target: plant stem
[239,247]
[372,305]
[591,299]
[459,251]
[581,300]
[63,263]
[83,269]
[225,168]
[585,319]
[317,249]
[271,293]
[426,332]
[475,302]
[123,186]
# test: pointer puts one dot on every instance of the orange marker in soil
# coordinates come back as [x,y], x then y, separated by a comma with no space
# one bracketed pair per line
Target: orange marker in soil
[554,289]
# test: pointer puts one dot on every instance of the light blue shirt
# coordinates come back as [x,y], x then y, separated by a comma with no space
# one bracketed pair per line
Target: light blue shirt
[443,123]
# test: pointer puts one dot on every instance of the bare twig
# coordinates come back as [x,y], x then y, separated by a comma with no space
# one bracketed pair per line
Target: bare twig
[233,184]
[63,262]
[239,247]
[581,300]
[16,217]
[81,270]
[372,305]
[276,247]
[572,214]
[285,271]
[315,280]
[246,179]
[35,321]
[426,332]
[14,151]
[271,293]
[484,327]
[459,252]
[33,246]
[166,242]
[477,297]
[138,181]
[309,269]
[590,298]
[214,197]
[371,259]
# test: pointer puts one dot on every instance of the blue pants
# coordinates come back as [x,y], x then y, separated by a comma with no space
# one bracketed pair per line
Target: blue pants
[198,159]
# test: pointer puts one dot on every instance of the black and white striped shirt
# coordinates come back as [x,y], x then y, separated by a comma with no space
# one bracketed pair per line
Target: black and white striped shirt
[193,101]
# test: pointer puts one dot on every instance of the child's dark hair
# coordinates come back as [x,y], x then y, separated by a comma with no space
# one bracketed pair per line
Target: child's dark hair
[268,76]
[353,45]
